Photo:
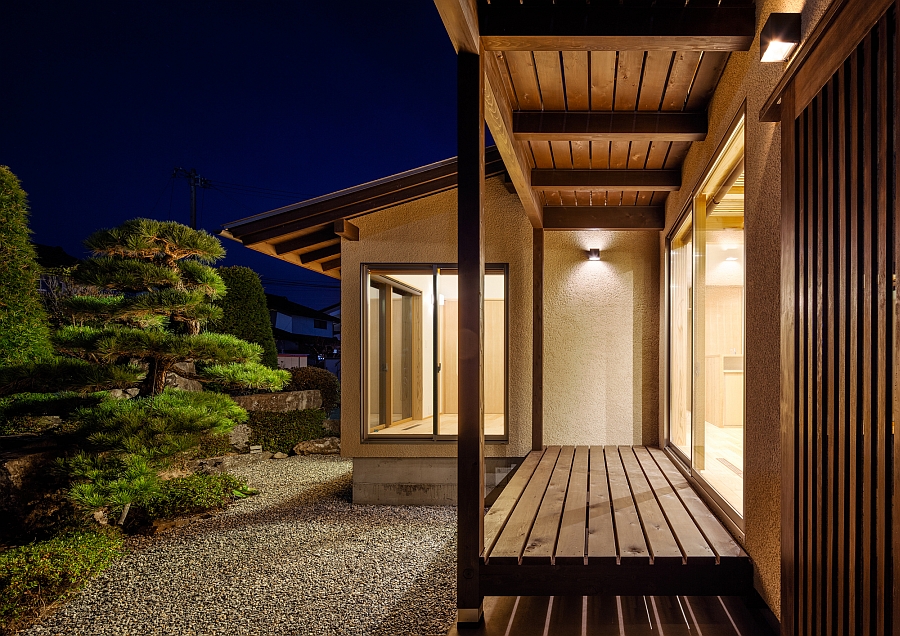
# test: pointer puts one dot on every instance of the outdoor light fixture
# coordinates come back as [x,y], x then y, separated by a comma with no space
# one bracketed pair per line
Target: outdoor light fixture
[779,37]
[593,254]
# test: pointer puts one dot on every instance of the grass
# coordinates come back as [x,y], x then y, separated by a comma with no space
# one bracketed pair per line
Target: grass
[36,575]
[193,494]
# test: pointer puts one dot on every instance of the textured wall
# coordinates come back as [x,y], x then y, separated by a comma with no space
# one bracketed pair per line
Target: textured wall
[601,324]
[745,78]
[424,231]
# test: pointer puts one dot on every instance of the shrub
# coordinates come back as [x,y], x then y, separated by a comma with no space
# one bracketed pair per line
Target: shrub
[193,494]
[212,445]
[28,412]
[280,432]
[35,575]
[24,328]
[314,378]
[244,311]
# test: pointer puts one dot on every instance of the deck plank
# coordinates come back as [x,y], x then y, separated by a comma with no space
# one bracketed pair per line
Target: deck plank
[656,528]
[570,546]
[497,516]
[542,540]
[601,536]
[629,533]
[717,536]
[687,534]
[508,547]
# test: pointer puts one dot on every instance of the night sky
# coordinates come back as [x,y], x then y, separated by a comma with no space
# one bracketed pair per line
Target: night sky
[275,102]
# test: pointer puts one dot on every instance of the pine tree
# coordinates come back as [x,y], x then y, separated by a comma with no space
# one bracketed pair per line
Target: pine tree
[24,334]
[162,292]
[244,311]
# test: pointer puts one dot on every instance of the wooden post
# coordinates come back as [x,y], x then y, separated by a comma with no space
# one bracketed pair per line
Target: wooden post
[470,510]
[537,369]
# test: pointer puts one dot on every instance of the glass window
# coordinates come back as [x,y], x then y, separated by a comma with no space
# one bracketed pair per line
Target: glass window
[706,329]
[411,351]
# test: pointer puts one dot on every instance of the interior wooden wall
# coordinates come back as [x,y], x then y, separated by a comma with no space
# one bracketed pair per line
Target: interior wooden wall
[494,356]
[838,348]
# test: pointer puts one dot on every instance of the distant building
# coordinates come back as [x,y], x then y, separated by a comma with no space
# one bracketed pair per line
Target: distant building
[302,330]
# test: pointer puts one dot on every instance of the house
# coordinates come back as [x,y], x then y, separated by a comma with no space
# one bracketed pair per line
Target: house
[666,295]
[304,336]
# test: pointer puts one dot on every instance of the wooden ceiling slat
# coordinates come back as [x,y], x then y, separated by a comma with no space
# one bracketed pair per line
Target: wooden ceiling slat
[600,155]
[653,83]
[644,198]
[613,197]
[543,158]
[553,198]
[524,79]
[629,197]
[581,154]
[659,198]
[550,82]
[628,79]
[582,197]
[677,153]
[656,155]
[603,79]
[506,80]
[598,197]
[575,71]
[712,64]
[320,254]
[684,66]
[618,155]
[568,197]
[334,263]
[562,154]
[637,154]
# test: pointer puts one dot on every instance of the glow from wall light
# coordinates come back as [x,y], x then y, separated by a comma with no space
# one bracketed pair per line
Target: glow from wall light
[778,51]
[731,258]
[729,246]
[593,254]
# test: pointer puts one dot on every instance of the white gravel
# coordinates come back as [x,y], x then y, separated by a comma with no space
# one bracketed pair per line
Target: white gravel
[298,558]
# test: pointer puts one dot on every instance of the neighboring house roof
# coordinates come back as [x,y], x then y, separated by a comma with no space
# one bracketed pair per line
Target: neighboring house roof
[53,256]
[332,310]
[309,233]
[289,308]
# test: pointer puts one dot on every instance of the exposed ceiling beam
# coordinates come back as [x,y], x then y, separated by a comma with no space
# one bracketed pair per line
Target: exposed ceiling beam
[334,263]
[307,240]
[573,26]
[661,180]
[460,19]
[608,126]
[604,217]
[321,254]
[345,229]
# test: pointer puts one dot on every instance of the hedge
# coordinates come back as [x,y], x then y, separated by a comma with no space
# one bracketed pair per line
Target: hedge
[280,432]
[244,311]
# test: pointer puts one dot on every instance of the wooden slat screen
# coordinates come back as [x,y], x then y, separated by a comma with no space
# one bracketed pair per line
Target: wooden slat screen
[838,352]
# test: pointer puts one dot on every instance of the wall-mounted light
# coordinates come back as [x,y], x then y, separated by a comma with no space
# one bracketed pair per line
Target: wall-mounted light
[779,37]
[593,254]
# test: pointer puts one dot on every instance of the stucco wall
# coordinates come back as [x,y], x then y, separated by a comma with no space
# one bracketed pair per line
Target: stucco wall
[424,231]
[747,79]
[601,324]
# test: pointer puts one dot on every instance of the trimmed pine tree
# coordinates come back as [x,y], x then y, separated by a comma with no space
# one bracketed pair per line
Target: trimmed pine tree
[24,331]
[244,311]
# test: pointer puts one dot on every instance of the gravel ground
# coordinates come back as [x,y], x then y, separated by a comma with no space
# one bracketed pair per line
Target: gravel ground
[296,559]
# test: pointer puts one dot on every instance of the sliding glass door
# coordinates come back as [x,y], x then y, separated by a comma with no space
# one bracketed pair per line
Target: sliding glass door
[706,330]
[411,349]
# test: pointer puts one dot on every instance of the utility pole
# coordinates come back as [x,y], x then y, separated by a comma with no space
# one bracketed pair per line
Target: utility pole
[196,181]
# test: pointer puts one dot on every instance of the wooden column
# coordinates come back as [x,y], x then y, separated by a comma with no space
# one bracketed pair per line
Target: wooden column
[537,370]
[470,510]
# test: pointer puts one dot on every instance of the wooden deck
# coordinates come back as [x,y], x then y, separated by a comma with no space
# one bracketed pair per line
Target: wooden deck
[617,520]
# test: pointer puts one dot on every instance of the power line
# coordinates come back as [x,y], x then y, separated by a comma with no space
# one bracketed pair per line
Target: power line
[241,186]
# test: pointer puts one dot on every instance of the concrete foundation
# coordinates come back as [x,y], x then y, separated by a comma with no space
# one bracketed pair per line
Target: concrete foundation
[417,481]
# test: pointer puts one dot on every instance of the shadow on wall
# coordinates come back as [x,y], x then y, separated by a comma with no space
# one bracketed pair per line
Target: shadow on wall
[601,349]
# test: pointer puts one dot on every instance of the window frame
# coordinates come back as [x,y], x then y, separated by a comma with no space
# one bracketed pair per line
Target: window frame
[435,268]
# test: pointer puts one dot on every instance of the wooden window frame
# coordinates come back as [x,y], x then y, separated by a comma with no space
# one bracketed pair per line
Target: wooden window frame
[434,268]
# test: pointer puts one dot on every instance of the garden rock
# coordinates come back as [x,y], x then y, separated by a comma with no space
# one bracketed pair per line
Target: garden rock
[239,437]
[123,394]
[279,456]
[322,446]
[283,402]
[226,463]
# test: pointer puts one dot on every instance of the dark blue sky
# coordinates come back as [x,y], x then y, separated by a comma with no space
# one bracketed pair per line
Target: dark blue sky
[101,100]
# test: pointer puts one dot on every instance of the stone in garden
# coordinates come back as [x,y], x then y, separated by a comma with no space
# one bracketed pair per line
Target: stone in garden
[239,437]
[279,455]
[322,446]
[283,402]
